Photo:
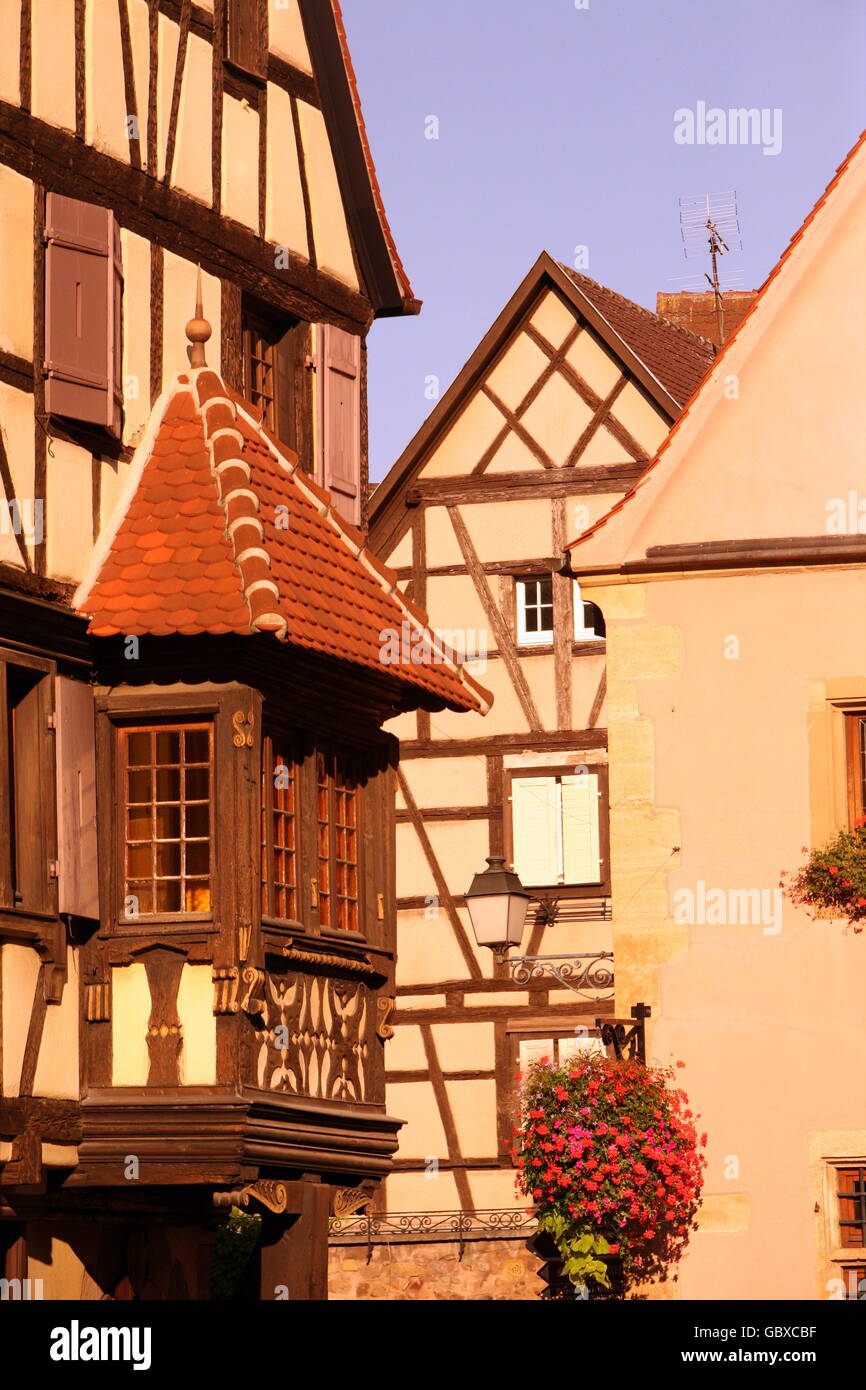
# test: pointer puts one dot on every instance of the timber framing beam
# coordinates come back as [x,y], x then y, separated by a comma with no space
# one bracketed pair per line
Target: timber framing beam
[176,221]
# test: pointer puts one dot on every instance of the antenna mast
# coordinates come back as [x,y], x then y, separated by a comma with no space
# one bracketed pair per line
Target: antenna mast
[710,220]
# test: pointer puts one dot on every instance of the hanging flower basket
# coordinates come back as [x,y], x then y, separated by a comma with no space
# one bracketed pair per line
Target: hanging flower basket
[832,882]
[609,1154]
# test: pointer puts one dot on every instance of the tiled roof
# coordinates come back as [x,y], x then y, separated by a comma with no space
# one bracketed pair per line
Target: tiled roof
[677,358]
[219,531]
[650,472]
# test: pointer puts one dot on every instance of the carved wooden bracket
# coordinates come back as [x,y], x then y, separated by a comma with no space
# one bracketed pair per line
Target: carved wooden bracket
[385,1008]
[347,1200]
[243,729]
[273,1196]
[225,989]
[253,1001]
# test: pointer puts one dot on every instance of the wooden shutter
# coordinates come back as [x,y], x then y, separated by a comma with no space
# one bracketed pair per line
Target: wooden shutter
[535,833]
[83,297]
[246,36]
[76,799]
[27,770]
[340,386]
[580,833]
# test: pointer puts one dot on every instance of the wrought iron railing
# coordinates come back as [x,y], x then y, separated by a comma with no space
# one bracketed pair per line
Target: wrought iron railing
[414,1227]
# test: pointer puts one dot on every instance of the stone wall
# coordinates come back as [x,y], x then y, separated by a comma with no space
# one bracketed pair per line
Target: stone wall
[489,1269]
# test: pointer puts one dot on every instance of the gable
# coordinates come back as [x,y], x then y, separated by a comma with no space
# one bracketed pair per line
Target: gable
[556,390]
[271,137]
[771,448]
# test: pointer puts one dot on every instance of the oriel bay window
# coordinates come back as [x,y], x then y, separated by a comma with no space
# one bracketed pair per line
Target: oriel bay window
[167,772]
[557,829]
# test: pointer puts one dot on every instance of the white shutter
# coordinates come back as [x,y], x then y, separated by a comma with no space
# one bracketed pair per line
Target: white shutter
[580,828]
[578,1046]
[534,827]
[533,1049]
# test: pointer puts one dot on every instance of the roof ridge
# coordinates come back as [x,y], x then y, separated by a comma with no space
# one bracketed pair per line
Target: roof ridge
[694,338]
[239,501]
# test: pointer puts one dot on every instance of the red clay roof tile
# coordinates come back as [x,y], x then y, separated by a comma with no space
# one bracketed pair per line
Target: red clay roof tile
[195,548]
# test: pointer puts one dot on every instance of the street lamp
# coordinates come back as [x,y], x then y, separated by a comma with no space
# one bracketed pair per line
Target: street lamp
[497,907]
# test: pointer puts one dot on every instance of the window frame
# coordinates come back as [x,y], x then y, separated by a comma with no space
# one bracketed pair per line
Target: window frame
[544,637]
[598,888]
[271,735]
[154,726]
[842,1260]
[119,708]
[29,920]
[518,1030]
[289,417]
[333,759]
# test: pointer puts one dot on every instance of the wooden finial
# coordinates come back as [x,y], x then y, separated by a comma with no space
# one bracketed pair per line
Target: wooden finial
[198,330]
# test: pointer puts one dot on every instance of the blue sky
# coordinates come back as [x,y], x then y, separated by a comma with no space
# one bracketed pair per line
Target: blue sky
[556,130]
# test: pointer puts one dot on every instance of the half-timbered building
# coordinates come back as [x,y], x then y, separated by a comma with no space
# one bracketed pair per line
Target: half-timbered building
[196,857]
[553,418]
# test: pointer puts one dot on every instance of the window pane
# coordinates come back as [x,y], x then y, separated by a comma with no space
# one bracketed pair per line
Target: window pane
[138,750]
[168,784]
[168,895]
[168,860]
[197,784]
[138,786]
[167,746]
[168,822]
[198,820]
[197,746]
[198,858]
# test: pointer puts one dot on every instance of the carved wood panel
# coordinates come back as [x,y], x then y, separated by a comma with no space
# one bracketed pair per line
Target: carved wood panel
[316,1036]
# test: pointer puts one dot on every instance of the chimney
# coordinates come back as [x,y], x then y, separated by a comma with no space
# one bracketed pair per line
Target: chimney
[697,311]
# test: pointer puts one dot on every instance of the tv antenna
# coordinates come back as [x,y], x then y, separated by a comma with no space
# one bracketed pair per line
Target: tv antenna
[709,220]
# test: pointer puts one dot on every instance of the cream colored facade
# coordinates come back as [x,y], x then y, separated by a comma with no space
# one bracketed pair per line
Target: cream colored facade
[733,658]
[551,420]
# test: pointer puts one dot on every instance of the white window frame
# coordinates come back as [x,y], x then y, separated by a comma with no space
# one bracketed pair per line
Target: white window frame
[543,637]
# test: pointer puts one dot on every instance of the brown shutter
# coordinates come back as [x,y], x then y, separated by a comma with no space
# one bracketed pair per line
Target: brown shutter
[246,35]
[340,380]
[83,292]
[76,799]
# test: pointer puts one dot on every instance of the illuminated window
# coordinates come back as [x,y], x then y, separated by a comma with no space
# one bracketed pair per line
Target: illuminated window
[168,789]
